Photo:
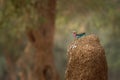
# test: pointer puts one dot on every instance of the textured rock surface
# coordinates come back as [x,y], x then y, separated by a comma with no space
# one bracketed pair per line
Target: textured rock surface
[86,59]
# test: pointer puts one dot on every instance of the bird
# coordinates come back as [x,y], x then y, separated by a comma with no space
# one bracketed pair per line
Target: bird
[78,35]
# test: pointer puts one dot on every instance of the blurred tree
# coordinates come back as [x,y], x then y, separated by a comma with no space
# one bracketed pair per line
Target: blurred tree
[41,38]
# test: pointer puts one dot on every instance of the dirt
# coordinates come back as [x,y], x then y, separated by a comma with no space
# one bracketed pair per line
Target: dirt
[86,59]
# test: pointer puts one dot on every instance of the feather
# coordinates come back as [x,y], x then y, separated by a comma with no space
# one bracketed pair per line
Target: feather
[80,35]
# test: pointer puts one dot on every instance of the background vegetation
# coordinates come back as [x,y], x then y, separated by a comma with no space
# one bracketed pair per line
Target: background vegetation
[92,16]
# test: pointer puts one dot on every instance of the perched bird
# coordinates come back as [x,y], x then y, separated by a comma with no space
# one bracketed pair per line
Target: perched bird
[78,35]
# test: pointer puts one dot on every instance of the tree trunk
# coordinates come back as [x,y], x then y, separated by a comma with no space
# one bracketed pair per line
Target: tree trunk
[24,63]
[42,39]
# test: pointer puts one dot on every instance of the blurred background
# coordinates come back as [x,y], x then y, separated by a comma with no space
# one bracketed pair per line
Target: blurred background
[101,17]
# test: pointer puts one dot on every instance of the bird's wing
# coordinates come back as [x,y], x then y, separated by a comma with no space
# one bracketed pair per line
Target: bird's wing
[80,34]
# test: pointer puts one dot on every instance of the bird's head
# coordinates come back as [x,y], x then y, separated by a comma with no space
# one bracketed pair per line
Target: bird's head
[74,33]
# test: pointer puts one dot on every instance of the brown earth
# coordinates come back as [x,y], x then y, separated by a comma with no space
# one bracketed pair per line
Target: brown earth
[86,60]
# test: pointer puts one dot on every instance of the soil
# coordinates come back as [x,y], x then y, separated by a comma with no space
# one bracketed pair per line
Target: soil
[86,59]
